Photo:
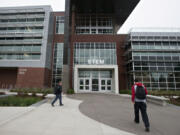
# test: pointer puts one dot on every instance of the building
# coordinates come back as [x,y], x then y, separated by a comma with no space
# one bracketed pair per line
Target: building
[25,46]
[153,56]
[57,48]
[81,48]
[93,52]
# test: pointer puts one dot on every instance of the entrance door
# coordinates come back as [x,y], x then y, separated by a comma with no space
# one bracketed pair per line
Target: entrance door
[106,84]
[95,84]
[103,84]
[84,84]
[109,84]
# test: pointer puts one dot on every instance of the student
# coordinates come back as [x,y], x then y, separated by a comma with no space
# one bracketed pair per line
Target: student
[139,93]
[58,93]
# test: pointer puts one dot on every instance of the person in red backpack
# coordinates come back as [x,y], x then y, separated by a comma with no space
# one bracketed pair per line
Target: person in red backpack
[139,93]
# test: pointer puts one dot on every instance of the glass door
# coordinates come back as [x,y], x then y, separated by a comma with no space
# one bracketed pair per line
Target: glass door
[106,84]
[103,84]
[109,84]
[84,84]
[87,82]
[95,84]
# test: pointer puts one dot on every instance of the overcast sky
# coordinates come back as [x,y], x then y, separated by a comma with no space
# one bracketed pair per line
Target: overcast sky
[148,13]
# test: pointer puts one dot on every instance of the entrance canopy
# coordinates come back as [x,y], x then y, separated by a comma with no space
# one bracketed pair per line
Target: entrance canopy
[96,78]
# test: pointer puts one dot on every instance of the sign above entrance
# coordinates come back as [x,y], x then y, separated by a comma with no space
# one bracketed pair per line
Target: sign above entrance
[95,61]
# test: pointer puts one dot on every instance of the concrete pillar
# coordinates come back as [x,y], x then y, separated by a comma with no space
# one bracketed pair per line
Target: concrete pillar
[116,80]
[75,79]
[65,76]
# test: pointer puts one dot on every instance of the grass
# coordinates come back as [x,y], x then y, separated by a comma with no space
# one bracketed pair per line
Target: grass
[125,92]
[19,100]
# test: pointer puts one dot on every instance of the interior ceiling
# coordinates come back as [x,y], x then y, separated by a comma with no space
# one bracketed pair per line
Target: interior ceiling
[121,9]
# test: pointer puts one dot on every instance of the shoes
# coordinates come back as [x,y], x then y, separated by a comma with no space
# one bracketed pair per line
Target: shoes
[61,104]
[137,122]
[52,105]
[147,129]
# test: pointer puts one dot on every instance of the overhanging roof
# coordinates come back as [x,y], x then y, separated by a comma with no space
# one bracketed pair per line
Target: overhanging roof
[120,8]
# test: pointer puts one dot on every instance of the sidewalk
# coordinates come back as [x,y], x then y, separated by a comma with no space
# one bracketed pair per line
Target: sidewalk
[47,120]
[117,112]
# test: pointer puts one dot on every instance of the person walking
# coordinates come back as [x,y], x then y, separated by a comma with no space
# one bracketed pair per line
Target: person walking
[139,93]
[58,93]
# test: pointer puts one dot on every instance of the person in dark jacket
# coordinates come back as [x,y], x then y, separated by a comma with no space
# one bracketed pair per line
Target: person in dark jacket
[140,104]
[58,93]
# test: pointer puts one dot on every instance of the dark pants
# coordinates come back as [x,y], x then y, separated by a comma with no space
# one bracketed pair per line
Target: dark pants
[142,107]
[58,96]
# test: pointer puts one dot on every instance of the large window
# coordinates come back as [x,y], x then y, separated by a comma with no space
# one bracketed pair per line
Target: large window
[59,24]
[58,63]
[6,39]
[95,53]
[94,24]
[22,20]
[31,29]
[154,62]
[20,51]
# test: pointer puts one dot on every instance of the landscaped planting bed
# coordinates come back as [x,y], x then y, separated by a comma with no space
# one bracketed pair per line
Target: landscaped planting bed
[174,96]
[175,101]
[19,100]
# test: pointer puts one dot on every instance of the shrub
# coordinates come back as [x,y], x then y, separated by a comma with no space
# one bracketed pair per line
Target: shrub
[19,100]
[125,92]
[168,93]
[34,91]
[70,91]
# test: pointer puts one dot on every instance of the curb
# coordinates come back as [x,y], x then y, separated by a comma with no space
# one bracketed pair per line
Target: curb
[39,103]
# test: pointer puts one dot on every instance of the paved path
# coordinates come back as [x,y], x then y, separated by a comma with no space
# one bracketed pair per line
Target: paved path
[117,112]
[47,120]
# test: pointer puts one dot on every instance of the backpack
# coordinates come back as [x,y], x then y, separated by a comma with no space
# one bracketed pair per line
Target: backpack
[140,93]
[55,90]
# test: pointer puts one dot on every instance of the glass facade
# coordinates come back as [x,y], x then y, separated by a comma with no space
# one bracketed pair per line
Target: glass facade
[20,48]
[155,61]
[22,20]
[59,24]
[94,24]
[58,63]
[29,29]
[98,53]
[14,43]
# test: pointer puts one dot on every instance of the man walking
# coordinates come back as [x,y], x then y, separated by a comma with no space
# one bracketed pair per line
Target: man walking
[58,93]
[139,93]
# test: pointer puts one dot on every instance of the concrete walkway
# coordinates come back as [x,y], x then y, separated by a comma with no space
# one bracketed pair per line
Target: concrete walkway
[117,112]
[47,120]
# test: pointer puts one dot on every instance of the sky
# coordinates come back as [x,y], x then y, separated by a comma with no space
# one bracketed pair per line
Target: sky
[147,14]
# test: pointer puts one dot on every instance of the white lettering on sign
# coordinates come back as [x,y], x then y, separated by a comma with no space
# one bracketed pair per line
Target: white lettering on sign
[95,61]
[22,71]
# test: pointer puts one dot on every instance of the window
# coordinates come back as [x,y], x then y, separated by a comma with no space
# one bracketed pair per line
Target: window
[58,63]
[95,53]
[59,24]
[93,24]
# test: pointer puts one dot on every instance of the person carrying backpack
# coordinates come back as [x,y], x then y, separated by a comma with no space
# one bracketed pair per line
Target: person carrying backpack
[58,93]
[139,93]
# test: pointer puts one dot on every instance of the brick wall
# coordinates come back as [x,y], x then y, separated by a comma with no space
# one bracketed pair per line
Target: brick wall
[8,77]
[33,77]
